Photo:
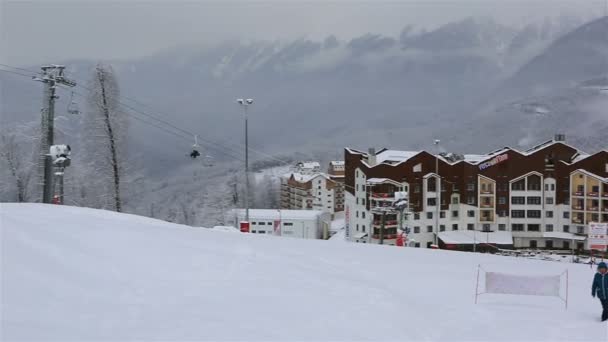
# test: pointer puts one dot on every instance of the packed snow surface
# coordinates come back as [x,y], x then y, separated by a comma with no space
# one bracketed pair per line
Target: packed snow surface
[81,274]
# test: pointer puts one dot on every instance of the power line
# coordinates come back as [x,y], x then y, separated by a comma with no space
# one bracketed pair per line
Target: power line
[18,68]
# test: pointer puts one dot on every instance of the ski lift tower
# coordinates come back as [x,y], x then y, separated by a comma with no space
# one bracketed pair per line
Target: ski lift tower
[52,76]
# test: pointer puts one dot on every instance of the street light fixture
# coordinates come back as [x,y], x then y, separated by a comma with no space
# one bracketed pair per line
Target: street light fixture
[246,103]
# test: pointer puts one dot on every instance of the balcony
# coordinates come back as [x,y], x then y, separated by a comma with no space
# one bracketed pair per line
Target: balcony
[592,194]
[386,236]
[485,205]
[391,223]
[578,193]
[577,207]
[487,192]
[605,194]
[383,195]
[577,220]
[592,208]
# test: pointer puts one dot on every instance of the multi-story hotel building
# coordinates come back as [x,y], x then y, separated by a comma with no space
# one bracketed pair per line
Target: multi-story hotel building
[310,189]
[540,198]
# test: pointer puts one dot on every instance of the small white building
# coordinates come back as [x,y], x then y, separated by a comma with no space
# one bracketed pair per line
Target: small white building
[303,224]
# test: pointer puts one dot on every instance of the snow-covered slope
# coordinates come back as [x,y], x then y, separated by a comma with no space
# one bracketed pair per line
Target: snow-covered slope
[81,274]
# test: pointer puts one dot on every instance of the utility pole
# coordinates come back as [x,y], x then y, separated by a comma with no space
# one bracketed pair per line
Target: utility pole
[52,75]
[382,227]
[438,192]
[245,104]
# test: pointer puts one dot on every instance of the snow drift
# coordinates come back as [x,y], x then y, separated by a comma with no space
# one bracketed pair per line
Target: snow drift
[81,274]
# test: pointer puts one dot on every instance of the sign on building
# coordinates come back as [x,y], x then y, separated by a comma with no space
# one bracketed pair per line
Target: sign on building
[598,236]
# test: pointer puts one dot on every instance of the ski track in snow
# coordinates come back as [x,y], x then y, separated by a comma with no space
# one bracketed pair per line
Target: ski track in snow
[82,274]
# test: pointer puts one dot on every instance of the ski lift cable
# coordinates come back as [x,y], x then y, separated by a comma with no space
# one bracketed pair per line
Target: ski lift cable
[170,131]
[189,133]
[18,68]
[17,73]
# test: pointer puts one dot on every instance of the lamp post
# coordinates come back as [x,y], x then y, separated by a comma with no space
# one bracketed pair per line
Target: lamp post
[244,104]
[438,192]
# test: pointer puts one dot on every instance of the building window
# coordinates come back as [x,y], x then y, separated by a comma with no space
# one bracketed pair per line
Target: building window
[552,187]
[416,230]
[363,214]
[431,202]
[362,201]
[357,174]
[416,188]
[502,200]
[357,227]
[454,213]
[442,214]
[363,228]
[261,223]
[254,231]
[471,200]
[534,227]
[548,214]
[455,226]
[566,245]
[533,214]
[455,200]
[357,200]
[546,187]
[429,215]
[429,229]
[470,186]
[517,227]
[580,230]
[503,213]
[566,228]
[534,200]
[357,187]
[518,200]
[520,185]
[502,227]
[549,244]
[254,223]
[548,227]
[470,226]
[416,216]
[288,224]
[357,213]
[417,244]
[454,187]
[442,228]
[533,244]
[470,213]
[566,214]
[549,200]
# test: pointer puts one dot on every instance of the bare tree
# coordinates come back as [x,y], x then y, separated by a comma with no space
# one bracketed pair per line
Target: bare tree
[18,165]
[106,127]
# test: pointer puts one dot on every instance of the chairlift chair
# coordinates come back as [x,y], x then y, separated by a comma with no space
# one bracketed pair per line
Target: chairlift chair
[195,153]
[73,106]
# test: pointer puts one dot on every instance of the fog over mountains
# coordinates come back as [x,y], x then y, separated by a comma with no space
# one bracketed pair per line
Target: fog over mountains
[473,83]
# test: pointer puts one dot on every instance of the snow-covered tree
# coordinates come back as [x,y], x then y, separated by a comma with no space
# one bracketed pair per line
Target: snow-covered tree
[16,161]
[106,128]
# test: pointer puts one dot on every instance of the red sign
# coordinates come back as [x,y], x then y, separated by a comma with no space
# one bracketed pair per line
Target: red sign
[244,227]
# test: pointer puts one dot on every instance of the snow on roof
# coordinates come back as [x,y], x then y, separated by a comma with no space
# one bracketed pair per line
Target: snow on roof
[305,177]
[381,181]
[394,156]
[276,214]
[337,162]
[565,236]
[360,235]
[474,158]
[468,237]
[580,157]
[309,165]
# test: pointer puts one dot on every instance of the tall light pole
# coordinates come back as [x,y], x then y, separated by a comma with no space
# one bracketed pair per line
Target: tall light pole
[245,104]
[437,192]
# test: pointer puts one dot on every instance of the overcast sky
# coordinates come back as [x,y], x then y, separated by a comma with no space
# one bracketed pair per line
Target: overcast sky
[42,31]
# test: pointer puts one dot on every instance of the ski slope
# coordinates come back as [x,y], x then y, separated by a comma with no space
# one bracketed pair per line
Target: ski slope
[81,274]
